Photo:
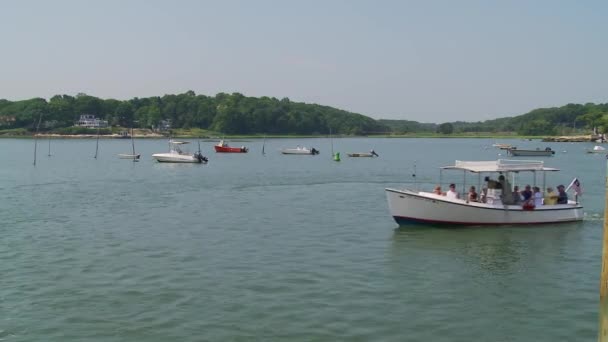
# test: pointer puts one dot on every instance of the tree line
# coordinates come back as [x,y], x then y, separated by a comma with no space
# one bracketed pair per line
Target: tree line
[226,113]
[238,114]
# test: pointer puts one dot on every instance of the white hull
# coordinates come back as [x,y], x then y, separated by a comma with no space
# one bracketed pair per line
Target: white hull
[128,156]
[303,151]
[175,158]
[411,207]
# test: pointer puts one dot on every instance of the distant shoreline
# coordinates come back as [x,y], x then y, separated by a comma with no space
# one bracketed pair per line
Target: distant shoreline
[153,135]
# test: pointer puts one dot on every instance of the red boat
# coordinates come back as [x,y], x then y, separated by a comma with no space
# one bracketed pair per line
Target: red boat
[222,147]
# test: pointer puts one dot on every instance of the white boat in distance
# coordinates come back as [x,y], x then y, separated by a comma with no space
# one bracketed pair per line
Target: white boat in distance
[300,150]
[128,156]
[502,146]
[177,155]
[597,149]
[419,207]
[369,154]
[514,151]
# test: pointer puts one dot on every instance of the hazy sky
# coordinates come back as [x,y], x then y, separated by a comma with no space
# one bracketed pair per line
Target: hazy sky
[429,61]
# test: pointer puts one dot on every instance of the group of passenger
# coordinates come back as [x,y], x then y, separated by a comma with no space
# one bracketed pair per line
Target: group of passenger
[530,197]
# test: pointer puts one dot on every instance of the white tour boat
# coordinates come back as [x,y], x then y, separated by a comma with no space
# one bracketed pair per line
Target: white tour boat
[300,150]
[177,155]
[415,207]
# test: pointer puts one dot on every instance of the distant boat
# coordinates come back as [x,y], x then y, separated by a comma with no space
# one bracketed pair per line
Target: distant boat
[132,156]
[177,155]
[371,154]
[222,147]
[597,149]
[502,146]
[300,150]
[547,152]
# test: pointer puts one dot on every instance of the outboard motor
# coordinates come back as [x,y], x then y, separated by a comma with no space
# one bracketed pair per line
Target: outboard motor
[314,151]
[374,153]
[201,158]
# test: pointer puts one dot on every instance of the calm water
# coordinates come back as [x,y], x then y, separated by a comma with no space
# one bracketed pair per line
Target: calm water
[294,248]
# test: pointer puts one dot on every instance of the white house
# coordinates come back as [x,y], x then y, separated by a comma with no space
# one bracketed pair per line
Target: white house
[90,121]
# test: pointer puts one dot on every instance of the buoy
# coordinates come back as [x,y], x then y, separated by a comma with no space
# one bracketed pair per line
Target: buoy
[337,156]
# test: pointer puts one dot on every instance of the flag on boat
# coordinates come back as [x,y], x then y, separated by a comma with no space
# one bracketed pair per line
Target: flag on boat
[576,186]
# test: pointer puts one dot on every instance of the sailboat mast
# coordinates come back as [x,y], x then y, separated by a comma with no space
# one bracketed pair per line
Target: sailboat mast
[132,141]
[331,139]
[36,138]
[97,144]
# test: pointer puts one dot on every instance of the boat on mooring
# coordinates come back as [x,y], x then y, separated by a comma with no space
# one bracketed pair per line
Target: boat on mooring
[517,152]
[300,151]
[177,154]
[597,149]
[369,154]
[222,147]
[409,206]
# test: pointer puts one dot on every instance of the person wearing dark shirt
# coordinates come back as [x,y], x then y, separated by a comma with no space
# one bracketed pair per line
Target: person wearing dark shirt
[527,193]
[562,196]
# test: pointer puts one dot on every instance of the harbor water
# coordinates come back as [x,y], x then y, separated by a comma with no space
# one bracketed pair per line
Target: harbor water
[254,247]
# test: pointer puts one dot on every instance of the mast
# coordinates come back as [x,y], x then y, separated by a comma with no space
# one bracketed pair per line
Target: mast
[36,137]
[97,144]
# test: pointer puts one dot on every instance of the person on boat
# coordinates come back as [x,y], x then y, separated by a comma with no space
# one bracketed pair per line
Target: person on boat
[507,194]
[562,196]
[550,197]
[538,197]
[437,191]
[483,197]
[472,196]
[517,199]
[527,193]
[452,193]
[492,184]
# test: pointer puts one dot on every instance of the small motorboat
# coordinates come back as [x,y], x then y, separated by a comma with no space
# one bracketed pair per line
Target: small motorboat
[300,150]
[222,147]
[129,156]
[547,152]
[597,149]
[177,155]
[371,154]
[502,146]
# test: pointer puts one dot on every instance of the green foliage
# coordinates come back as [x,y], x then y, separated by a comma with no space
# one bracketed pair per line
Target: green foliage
[445,128]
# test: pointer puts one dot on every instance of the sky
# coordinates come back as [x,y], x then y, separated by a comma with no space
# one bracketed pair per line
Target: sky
[429,61]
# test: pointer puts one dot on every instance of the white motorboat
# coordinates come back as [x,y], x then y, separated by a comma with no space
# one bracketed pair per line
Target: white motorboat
[369,154]
[300,150]
[597,149]
[178,155]
[415,207]
[129,156]
[502,146]
[514,151]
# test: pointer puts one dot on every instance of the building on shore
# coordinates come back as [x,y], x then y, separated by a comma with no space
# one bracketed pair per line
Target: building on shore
[90,121]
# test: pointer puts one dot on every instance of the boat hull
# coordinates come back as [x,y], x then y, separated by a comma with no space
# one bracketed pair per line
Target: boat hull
[410,207]
[297,151]
[176,158]
[129,156]
[531,153]
[227,149]
[360,155]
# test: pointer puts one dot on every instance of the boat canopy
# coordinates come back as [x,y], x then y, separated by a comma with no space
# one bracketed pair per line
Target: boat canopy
[500,165]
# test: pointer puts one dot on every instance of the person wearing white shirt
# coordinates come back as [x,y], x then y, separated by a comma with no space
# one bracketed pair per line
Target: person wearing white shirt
[452,193]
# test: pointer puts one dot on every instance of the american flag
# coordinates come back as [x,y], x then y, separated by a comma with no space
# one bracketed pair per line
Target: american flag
[576,186]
